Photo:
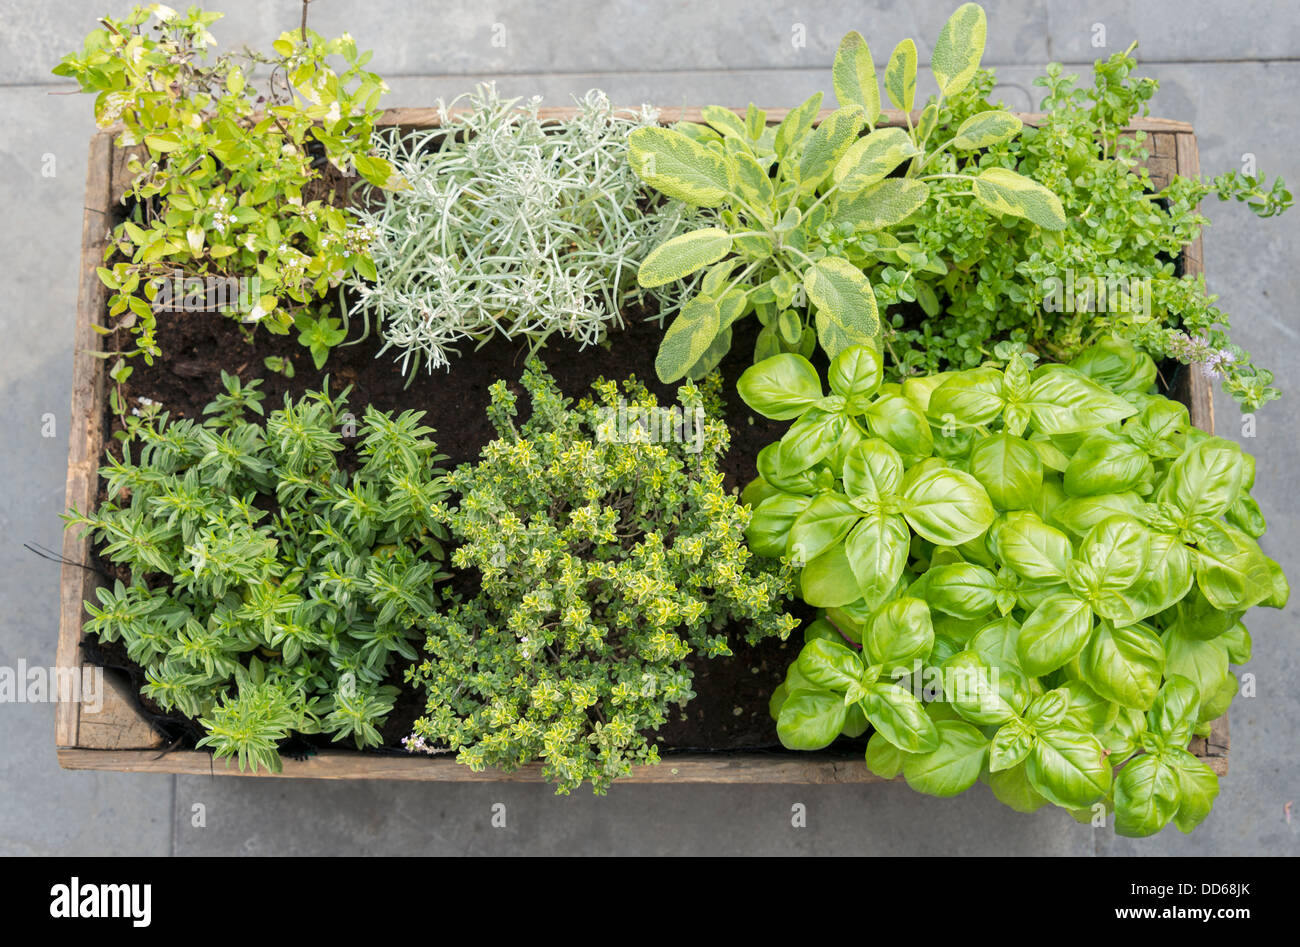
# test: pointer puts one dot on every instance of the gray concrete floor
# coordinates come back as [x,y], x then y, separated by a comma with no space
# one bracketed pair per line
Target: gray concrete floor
[1229,68]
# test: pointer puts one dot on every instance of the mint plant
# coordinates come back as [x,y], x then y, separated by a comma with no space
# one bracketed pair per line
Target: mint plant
[605,557]
[268,590]
[1031,575]
[805,208]
[513,226]
[1122,234]
[228,181]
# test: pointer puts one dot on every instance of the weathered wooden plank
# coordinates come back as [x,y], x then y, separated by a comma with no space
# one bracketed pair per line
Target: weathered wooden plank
[84,437]
[116,724]
[341,764]
[430,117]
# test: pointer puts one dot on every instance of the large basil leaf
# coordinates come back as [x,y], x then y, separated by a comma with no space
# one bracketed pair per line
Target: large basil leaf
[828,581]
[1010,746]
[981,692]
[899,717]
[1117,365]
[1124,665]
[1009,470]
[1166,579]
[946,506]
[883,758]
[1107,464]
[872,470]
[902,425]
[1147,795]
[1080,514]
[1068,767]
[811,438]
[1013,789]
[876,549]
[1206,479]
[769,526]
[1231,570]
[830,665]
[1063,401]
[810,719]
[822,524]
[969,399]
[1175,710]
[1203,662]
[1198,787]
[1030,547]
[1053,633]
[962,589]
[1116,550]
[899,633]
[855,374]
[781,387]
[952,768]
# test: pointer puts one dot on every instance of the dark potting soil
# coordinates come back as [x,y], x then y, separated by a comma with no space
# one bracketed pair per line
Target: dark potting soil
[729,711]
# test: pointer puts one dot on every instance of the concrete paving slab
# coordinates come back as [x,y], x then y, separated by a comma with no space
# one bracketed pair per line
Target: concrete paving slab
[253,816]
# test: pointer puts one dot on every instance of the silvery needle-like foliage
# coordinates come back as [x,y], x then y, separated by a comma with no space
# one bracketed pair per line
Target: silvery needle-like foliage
[512,225]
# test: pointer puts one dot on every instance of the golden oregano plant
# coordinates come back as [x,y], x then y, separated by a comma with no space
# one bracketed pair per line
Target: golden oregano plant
[228,182]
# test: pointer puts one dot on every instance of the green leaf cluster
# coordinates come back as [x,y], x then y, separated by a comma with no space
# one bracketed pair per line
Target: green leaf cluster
[806,208]
[606,557]
[267,589]
[227,171]
[1114,268]
[1031,576]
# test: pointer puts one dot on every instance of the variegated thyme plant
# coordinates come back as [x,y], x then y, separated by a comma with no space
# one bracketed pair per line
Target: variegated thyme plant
[605,561]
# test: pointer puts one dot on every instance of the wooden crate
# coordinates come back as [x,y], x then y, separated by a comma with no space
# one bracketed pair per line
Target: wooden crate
[118,738]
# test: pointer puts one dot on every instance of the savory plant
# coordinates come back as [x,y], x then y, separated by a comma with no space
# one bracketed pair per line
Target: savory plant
[805,207]
[1032,576]
[1113,269]
[270,589]
[514,225]
[607,553]
[228,179]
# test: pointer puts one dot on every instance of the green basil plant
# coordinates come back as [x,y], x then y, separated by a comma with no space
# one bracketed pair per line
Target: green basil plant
[1033,576]
[805,206]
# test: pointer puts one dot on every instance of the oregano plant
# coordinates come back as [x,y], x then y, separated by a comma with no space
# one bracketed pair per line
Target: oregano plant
[227,156]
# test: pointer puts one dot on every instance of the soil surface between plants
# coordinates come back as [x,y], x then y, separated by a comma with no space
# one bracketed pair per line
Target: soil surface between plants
[729,711]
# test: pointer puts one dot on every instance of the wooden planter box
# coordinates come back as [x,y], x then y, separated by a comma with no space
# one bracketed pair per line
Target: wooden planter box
[119,738]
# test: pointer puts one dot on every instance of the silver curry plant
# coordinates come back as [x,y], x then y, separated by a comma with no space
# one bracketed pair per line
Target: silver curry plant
[512,225]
